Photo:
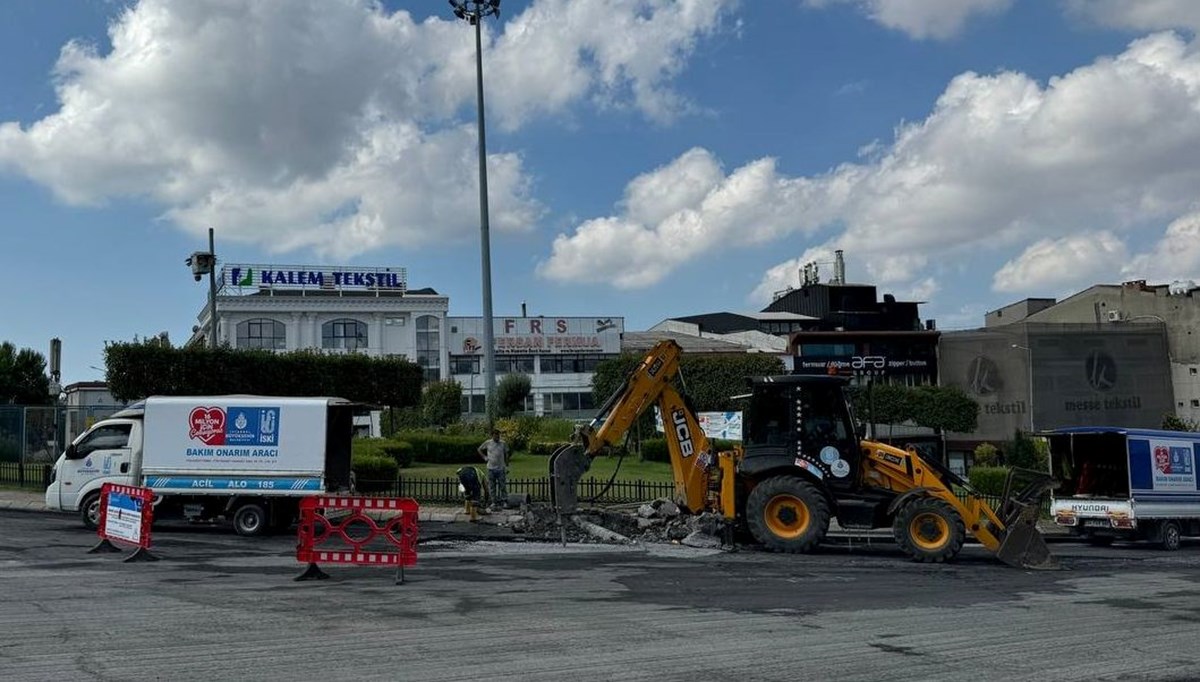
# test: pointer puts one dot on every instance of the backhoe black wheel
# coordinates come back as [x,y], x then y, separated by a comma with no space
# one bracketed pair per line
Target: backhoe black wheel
[929,530]
[787,514]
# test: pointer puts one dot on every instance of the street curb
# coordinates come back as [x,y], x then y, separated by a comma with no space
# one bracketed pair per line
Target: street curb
[32,508]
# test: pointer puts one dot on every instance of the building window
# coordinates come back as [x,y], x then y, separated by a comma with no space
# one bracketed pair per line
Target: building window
[344,333]
[557,403]
[836,350]
[464,364]
[514,364]
[429,346]
[262,332]
[1195,403]
[1192,370]
[571,364]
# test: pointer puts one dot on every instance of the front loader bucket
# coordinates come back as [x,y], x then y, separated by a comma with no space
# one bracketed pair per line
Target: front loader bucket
[1022,544]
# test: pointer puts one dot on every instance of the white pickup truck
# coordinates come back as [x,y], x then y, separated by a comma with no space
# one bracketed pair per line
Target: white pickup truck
[248,459]
[1126,484]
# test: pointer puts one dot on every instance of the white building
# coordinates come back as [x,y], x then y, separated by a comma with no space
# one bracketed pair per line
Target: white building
[559,354]
[329,308]
[371,310]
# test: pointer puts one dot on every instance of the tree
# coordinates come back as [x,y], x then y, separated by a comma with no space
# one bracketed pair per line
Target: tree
[441,403]
[986,455]
[709,381]
[23,379]
[511,392]
[941,408]
[1173,422]
[944,408]
[1023,452]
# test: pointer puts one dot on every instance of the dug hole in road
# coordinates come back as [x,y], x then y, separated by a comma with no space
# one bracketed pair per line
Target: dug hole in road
[219,606]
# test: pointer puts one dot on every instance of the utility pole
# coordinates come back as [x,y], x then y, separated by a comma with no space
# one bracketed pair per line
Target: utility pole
[212,291]
[474,11]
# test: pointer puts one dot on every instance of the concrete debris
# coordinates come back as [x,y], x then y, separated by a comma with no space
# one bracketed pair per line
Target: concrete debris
[605,526]
[701,540]
[599,532]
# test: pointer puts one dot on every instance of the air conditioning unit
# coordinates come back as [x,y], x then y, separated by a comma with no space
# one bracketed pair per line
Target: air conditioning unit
[1114,316]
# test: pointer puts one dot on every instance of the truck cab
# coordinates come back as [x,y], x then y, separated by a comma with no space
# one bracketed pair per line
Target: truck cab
[105,453]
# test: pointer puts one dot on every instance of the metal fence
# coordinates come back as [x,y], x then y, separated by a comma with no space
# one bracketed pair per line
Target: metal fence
[445,490]
[37,434]
[22,475]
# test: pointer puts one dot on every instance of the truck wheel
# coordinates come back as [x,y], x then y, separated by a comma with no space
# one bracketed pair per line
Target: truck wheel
[250,520]
[89,511]
[929,530]
[787,514]
[1171,536]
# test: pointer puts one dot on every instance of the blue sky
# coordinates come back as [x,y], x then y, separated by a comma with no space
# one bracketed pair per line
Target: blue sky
[648,158]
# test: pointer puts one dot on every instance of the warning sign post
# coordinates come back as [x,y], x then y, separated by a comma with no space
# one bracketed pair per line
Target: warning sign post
[126,513]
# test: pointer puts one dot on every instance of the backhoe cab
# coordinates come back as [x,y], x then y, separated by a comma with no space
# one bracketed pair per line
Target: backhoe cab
[801,464]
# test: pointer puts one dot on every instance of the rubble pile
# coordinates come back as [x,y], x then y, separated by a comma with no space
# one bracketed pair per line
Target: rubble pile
[660,521]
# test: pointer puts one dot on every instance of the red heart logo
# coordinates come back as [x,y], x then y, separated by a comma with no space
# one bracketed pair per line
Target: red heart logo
[208,425]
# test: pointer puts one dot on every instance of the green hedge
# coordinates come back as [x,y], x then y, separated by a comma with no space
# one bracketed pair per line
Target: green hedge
[374,473]
[432,448]
[401,452]
[138,370]
[988,480]
[655,449]
[544,449]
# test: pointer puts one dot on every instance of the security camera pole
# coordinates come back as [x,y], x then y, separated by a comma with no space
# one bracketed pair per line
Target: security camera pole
[212,290]
[201,264]
[474,11]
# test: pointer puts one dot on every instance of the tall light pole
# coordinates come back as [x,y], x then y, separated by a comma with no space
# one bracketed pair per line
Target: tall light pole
[474,11]
[1029,365]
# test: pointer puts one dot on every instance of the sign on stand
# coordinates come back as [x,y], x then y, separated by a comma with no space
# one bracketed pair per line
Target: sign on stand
[126,513]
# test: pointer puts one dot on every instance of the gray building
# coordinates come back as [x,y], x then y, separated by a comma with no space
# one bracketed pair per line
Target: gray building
[1174,307]
[1035,376]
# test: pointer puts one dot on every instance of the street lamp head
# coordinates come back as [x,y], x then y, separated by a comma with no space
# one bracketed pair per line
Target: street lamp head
[474,10]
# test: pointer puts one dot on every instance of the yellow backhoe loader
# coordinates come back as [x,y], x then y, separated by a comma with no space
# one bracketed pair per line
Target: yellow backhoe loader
[802,463]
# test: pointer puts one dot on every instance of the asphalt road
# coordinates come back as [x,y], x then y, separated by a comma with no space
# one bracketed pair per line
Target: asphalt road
[220,607]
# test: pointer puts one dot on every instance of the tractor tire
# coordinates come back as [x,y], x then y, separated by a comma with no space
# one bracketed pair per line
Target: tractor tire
[787,514]
[929,530]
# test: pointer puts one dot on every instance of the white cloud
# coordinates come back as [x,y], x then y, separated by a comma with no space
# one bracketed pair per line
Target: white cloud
[1175,256]
[1000,161]
[1054,263]
[1139,15]
[921,19]
[331,124]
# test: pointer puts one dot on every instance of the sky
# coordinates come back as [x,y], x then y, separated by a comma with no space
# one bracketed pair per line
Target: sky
[646,158]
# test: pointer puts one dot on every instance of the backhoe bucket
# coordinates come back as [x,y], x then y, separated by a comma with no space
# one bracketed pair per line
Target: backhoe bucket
[568,464]
[1022,544]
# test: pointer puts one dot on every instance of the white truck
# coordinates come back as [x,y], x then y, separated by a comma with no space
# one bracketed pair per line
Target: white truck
[1126,484]
[248,459]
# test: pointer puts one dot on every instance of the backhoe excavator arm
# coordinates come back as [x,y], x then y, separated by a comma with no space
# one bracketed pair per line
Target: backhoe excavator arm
[650,383]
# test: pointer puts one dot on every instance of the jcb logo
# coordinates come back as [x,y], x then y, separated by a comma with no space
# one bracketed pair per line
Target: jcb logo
[683,433]
[655,367]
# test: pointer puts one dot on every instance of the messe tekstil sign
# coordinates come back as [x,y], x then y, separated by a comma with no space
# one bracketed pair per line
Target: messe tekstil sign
[314,277]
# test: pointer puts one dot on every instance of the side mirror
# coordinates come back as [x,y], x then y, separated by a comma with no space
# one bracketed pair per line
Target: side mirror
[861,431]
[71,452]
